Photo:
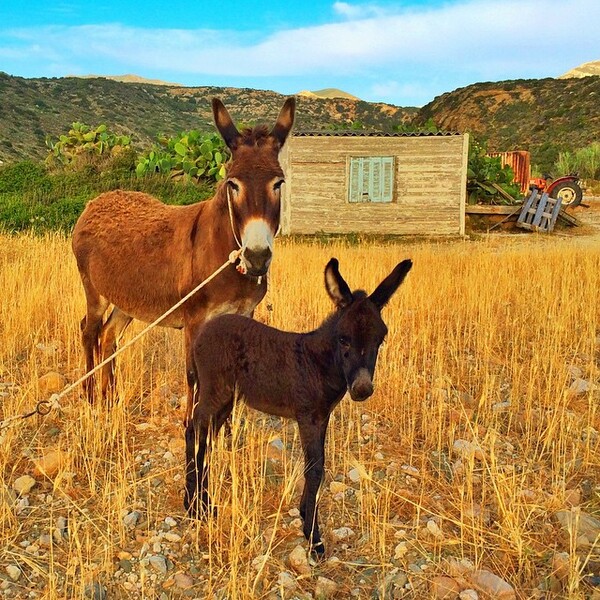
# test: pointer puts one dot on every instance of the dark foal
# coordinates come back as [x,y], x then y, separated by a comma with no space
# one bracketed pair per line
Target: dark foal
[301,376]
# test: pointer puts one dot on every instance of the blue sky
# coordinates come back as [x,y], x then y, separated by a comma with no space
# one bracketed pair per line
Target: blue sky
[402,52]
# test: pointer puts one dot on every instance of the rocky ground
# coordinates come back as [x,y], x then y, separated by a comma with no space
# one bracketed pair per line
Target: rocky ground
[160,559]
[160,554]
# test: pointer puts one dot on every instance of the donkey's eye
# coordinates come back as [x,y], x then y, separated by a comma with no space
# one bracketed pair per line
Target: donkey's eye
[344,341]
[277,185]
[233,186]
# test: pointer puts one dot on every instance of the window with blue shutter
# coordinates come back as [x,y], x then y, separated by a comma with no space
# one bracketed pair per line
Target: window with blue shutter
[371,179]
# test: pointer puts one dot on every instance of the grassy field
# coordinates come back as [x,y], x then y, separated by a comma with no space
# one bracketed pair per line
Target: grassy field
[483,427]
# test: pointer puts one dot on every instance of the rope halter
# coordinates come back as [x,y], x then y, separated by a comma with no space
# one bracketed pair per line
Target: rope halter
[241,266]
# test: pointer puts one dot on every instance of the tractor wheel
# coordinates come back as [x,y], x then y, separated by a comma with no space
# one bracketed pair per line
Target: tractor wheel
[569,192]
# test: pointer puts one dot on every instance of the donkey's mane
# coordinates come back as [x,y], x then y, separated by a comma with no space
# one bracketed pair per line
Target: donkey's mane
[359,295]
[254,136]
[334,317]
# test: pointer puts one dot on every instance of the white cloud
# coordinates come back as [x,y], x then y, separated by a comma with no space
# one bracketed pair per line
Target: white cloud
[477,39]
[347,10]
[357,11]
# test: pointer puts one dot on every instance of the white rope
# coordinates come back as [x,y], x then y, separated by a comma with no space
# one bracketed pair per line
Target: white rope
[231,221]
[45,405]
[233,256]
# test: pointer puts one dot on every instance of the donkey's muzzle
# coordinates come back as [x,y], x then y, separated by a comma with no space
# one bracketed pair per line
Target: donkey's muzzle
[362,386]
[257,260]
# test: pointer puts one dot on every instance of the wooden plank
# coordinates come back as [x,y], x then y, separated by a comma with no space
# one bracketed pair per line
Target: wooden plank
[385,219]
[286,197]
[315,183]
[539,212]
[462,186]
[524,219]
[431,151]
[540,209]
[504,194]
[490,209]
[527,226]
[554,214]
[568,218]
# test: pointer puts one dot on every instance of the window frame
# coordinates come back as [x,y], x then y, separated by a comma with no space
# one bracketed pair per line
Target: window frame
[366,179]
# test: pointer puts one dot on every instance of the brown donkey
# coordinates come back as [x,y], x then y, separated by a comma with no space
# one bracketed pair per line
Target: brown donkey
[140,256]
[301,376]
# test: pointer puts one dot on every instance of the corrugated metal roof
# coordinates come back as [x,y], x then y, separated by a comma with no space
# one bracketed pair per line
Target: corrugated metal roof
[346,133]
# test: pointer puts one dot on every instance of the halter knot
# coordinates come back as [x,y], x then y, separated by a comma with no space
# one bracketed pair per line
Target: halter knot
[234,255]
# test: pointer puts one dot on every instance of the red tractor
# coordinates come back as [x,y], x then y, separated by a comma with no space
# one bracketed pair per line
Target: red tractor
[566,188]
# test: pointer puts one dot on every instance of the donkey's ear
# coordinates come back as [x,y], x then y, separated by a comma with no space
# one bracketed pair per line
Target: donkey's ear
[225,125]
[284,122]
[336,287]
[390,284]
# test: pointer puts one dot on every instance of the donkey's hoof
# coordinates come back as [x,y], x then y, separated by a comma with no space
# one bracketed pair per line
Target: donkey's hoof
[199,510]
[201,513]
[317,551]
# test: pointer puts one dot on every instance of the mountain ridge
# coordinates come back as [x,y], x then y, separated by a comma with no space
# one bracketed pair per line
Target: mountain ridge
[583,70]
[31,109]
[545,116]
[129,78]
[327,93]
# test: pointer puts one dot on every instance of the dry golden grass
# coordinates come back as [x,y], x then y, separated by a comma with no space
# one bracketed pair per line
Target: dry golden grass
[484,340]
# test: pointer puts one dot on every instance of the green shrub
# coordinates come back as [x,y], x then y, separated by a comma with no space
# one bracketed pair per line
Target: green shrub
[546,155]
[587,161]
[190,156]
[487,180]
[16,215]
[565,163]
[35,200]
[23,176]
[84,144]
[412,127]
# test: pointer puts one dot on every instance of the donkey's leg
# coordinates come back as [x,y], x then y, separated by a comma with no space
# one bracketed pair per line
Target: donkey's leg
[312,435]
[91,325]
[190,373]
[199,436]
[196,471]
[221,418]
[193,321]
[110,335]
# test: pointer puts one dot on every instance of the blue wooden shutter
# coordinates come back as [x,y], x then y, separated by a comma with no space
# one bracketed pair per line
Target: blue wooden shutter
[355,184]
[371,179]
[375,179]
[387,179]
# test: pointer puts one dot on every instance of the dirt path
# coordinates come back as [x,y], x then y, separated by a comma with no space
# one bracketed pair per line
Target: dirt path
[589,212]
[589,215]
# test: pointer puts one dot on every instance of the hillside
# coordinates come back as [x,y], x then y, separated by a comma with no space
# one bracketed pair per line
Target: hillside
[128,78]
[544,116]
[328,93]
[30,109]
[584,70]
